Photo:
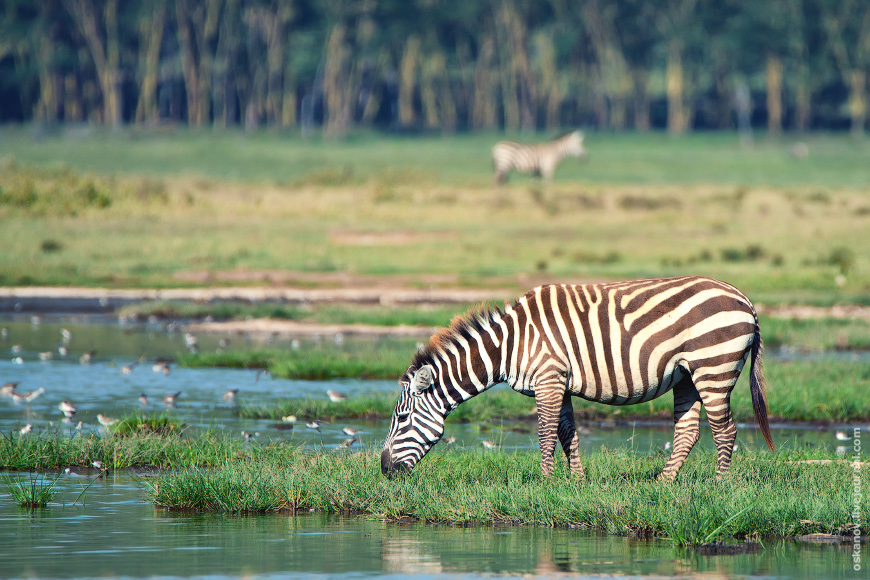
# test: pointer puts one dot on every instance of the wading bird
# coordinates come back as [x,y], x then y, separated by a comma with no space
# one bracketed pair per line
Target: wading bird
[230,394]
[67,408]
[335,396]
[169,400]
[7,388]
[106,421]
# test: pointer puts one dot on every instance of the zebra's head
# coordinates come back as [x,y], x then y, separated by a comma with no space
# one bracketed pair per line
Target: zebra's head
[575,145]
[417,423]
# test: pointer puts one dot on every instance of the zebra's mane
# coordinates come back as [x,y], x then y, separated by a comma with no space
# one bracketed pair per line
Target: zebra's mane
[476,319]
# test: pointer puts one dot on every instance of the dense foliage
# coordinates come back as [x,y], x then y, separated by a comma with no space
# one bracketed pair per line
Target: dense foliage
[437,65]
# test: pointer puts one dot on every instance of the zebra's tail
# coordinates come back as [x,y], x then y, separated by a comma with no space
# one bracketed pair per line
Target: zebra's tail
[757,387]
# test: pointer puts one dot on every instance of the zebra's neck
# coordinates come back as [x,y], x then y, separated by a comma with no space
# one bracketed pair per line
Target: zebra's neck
[469,356]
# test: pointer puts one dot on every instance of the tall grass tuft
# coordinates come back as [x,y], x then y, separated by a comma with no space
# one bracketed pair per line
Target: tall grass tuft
[33,493]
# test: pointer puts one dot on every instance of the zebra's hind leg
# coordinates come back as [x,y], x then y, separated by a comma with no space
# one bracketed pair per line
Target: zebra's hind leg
[548,400]
[568,437]
[687,416]
[718,406]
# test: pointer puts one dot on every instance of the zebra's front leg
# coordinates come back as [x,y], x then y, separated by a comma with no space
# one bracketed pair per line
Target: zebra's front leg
[687,416]
[568,437]
[549,404]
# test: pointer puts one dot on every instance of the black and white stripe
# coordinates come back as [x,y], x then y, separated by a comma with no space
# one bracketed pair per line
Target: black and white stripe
[539,159]
[618,343]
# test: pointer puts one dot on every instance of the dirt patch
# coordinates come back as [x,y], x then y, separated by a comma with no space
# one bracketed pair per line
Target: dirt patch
[810,312]
[288,328]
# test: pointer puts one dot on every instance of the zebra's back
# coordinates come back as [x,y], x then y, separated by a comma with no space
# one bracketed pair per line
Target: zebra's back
[629,342]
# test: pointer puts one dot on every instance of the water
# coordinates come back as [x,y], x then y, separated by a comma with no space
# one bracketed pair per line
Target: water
[112,531]
[115,533]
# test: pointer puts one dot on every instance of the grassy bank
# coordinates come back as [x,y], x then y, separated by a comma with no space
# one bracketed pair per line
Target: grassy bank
[763,496]
[822,391]
[55,450]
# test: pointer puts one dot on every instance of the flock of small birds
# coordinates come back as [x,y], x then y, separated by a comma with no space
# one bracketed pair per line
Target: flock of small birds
[68,409]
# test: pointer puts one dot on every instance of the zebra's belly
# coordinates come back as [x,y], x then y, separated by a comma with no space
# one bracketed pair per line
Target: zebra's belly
[619,392]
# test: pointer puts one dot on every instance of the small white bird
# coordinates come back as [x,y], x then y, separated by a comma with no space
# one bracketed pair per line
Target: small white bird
[450,440]
[62,351]
[127,369]
[67,408]
[230,394]
[667,445]
[7,388]
[160,367]
[106,421]
[46,355]
[143,399]
[264,372]
[289,418]
[347,443]
[65,334]
[489,444]
[97,463]
[26,397]
[190,340]
[169,400]
[841,436]
[335,396]
[87,357]
[351,431]
[16,348]
[25,430]
[247,436]
[313,425]
[18,360]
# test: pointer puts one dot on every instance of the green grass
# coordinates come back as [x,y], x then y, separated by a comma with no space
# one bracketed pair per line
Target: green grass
[180,209]
[138,424]
[822,391]
[36,492]
[764,495]
[57,451]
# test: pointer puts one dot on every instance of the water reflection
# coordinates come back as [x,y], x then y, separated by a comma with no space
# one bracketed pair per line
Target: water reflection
[116,533]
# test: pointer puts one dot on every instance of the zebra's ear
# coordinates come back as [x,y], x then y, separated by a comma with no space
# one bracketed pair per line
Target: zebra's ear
[423,379]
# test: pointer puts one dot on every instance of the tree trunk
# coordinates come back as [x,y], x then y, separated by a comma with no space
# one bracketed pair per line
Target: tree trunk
[408,81]
[152,39]
[674,80]
[857,102]
[641,100]
[774,95]
[188,62]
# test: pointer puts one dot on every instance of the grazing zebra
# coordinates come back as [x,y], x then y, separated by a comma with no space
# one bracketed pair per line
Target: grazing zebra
[618,343]
[539,159]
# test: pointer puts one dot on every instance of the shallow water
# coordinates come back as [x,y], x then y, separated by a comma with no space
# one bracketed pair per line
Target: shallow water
[112,531]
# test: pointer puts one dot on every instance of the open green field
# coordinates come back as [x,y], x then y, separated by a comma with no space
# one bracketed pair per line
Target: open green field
[181,209]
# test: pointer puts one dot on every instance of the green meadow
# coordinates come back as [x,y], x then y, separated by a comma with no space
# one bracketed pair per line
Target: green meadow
[144,209]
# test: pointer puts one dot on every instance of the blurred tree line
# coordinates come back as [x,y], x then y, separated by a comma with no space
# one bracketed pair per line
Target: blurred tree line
[438,64]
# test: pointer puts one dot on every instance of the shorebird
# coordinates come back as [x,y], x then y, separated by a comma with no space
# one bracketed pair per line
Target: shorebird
[143,399]
[127,369]
[46,355]
[351,431]
[224,342]
[26,397]
[294,344]
[313,425]
[247,436]
[190,341]
[67,408]
[65,334]
[230,394]
[450,440]
[18,360]
[289,418]
[4,333]
[86,358]
[347,443]
[489,444]
[160,367]
[335,396]
[7,388]
[106,421]
[262,372]
[62,350]
[666,446]
[16,348]
[169,400]
[25,430]
[841,436]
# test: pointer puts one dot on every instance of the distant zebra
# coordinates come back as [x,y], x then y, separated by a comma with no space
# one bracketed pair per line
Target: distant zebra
[539,159]
[618,343]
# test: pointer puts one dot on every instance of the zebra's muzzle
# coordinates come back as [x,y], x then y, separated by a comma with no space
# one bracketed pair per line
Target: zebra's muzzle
[390,468]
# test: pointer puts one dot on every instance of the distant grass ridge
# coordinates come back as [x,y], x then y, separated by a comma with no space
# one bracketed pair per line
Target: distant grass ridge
[763,496]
